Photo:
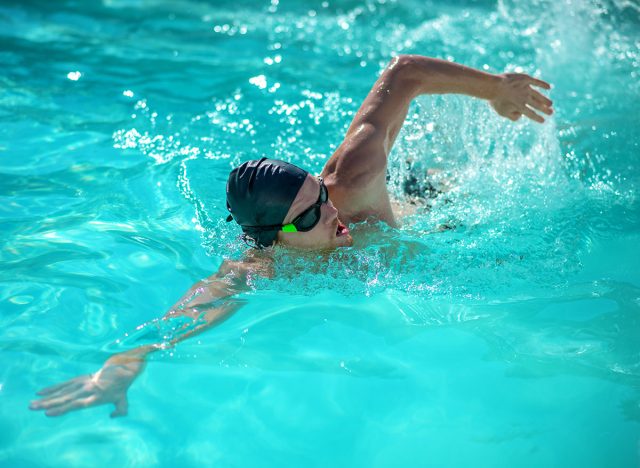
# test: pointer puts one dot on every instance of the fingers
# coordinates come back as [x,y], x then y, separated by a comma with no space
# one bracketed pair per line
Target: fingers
[541,98]
[69,389]
[539,105]
[53,401]
[536,82]
[71,406]
[514,115]
[57,405]
[61,394]
[59,387]
[532,115]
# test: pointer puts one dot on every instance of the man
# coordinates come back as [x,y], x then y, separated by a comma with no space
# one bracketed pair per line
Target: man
[278,203]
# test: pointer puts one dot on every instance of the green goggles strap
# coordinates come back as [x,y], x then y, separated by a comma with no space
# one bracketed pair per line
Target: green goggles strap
[289,228]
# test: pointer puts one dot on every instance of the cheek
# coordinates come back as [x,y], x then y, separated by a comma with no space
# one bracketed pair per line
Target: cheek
[321,232]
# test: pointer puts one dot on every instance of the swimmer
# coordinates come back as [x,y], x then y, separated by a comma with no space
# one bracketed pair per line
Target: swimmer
[277,203]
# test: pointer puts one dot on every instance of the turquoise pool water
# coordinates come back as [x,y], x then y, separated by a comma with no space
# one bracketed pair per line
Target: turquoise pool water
[512,340]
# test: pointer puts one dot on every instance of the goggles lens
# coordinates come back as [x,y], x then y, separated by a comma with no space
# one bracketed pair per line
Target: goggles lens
[308,219]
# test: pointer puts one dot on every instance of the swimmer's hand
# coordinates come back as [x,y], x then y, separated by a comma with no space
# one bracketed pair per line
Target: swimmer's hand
[515,97]
[108,385]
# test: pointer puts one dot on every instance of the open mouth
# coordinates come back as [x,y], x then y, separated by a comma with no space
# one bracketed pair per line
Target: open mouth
[342,230]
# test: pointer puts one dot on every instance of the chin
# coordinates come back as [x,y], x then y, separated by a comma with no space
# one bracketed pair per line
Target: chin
[343,241]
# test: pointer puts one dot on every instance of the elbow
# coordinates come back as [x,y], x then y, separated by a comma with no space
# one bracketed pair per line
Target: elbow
[405,60]
[409,71]
[402,63]
[411,61]
[416,64]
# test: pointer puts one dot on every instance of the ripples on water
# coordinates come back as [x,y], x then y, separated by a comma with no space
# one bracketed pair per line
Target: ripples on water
[190,91]
[121,120]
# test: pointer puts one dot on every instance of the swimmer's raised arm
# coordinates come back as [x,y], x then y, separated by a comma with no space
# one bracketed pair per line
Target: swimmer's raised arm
[356,172]
[208,303]
[511,94]
[409,76]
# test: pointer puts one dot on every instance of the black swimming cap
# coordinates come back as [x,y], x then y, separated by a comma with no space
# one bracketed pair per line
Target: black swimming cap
[260,193]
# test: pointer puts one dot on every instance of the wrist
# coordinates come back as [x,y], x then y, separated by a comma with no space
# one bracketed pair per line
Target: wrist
[493,85]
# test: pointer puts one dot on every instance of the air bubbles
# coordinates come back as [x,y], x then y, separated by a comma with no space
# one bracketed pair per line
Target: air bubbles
[231,29]
[74,75]
[271,61]
[126,139]
[311,94]
[260,81]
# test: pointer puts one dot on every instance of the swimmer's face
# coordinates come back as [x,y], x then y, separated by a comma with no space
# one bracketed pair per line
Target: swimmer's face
[329,233]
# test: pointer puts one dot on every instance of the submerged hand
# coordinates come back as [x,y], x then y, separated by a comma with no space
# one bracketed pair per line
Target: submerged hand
[108,385]
[516,97]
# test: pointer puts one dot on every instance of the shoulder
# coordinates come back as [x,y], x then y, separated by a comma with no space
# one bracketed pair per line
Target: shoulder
[359,197]
[359,160]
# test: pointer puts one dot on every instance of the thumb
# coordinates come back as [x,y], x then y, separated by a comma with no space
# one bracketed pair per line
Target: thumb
[122,406]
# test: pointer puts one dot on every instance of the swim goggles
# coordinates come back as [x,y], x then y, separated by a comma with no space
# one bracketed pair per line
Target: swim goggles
[306,220]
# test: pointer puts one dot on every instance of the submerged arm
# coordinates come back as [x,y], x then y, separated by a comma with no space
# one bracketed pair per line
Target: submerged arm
[208,303]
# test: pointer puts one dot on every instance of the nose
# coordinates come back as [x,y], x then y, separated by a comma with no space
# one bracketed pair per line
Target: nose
[331,212]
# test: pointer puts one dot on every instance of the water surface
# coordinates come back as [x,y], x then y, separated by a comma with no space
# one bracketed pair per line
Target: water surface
[509,340]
